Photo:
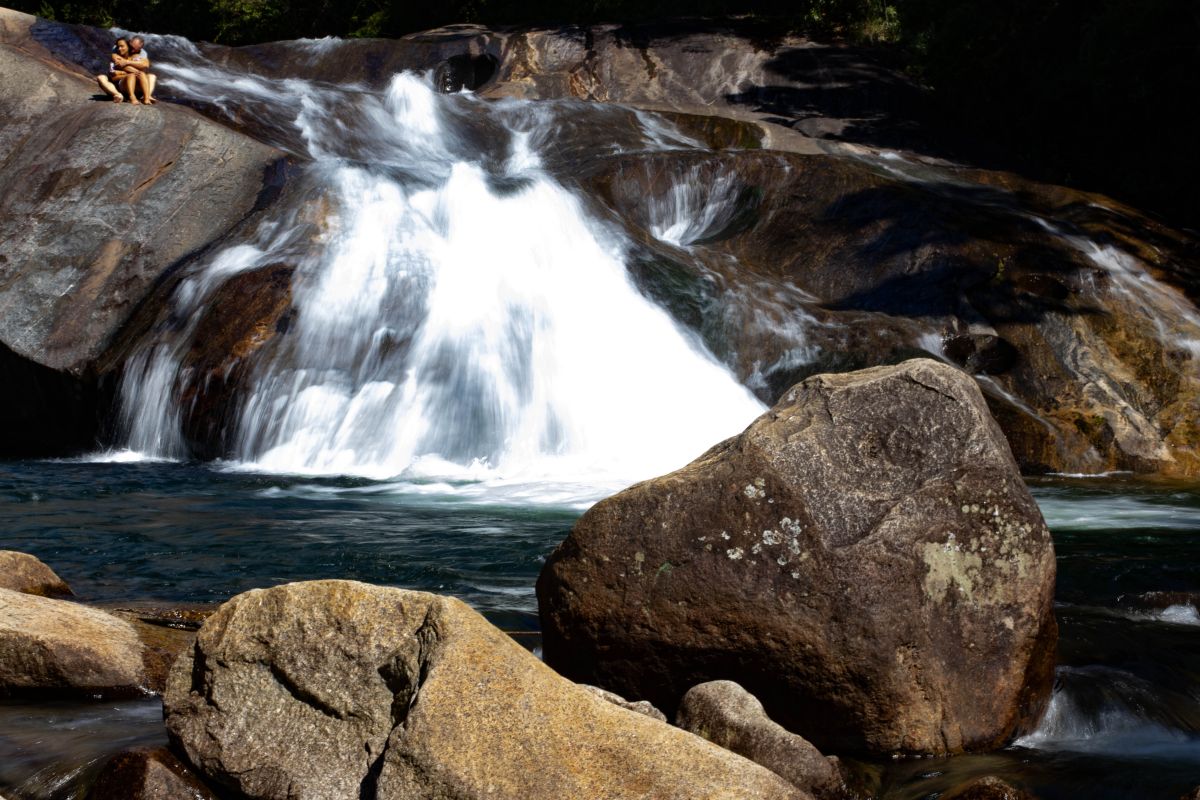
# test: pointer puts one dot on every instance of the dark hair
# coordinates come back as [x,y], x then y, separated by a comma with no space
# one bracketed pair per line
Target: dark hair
[118,41]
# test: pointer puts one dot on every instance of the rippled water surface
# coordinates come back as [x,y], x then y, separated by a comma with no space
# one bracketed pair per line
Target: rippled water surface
[1124,721]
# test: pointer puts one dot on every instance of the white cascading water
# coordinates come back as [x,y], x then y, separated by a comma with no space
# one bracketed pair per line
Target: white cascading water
[455,320]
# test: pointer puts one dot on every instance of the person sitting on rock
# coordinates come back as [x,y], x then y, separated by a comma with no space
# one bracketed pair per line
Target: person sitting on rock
[111,80]
[137,70]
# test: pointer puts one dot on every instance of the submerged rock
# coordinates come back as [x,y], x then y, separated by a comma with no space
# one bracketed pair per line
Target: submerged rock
[864,559]
[988,787]
[57,645]
[147,774]
[21,572]
[727,715]
[341,689]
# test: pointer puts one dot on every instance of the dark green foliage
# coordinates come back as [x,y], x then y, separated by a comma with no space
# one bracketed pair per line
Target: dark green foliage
[248,21]
[1097,94]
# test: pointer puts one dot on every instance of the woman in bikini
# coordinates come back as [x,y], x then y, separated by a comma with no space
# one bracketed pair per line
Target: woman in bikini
[116,74]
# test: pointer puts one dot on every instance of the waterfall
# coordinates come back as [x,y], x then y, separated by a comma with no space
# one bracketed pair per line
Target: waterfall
[459,316]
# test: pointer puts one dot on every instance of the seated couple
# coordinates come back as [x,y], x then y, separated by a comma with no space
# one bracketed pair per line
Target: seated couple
[129,69]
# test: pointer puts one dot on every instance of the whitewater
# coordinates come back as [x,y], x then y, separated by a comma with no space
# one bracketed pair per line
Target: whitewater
[463,325]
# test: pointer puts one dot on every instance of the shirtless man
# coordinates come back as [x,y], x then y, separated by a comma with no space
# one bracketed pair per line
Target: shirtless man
[137,72]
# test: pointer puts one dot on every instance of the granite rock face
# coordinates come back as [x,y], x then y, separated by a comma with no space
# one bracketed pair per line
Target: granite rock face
[101,202]
[57,645]
[864,559]
[727,715]
[21,572]
[335,689]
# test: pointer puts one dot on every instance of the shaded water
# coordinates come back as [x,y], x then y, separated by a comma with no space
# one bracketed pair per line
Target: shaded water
[1124,721]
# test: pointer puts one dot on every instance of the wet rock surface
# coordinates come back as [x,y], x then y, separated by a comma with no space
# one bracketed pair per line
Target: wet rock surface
[864,559]
[111,199]
[341,689]
[147,774]
[21,572]
[161,644]
[62,647]
[988,787]
[1060,302]
[727,715]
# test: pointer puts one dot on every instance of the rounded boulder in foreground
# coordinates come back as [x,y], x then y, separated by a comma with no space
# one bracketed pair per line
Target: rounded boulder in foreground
[335,689]
[864,558]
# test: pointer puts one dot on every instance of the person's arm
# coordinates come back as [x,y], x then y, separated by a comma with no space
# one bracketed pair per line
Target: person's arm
[139,63]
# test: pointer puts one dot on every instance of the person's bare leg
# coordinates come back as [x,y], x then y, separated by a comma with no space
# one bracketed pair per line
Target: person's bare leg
[144,84]
[131,88]
[109,89]
[152,79]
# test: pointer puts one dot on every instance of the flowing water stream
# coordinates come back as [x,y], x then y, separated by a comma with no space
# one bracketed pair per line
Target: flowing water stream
[460,318]
[470,368]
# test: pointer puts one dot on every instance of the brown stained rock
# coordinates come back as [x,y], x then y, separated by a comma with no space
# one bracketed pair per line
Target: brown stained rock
[988,787]
[58,645]
[640,707]
[864,559]
[1194,794]
[334,689]
[244,315]
[727,715]
[161,646]
[21,572]
[152,773]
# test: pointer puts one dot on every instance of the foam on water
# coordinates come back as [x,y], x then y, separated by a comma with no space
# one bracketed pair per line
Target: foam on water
[1104,711]
[1109,511]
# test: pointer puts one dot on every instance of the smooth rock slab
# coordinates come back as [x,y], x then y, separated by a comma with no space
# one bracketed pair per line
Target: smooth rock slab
[24,573]
[55,644]
[727,715]
[865,559]
[338,689]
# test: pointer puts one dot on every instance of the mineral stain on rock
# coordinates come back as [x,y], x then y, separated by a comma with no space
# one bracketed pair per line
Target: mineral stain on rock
[864,558]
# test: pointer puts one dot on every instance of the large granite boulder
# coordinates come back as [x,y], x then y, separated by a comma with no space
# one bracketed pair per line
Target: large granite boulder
[21,572]
[66,647]
[335,689]
[726,714]
[864,559]
[100,202]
